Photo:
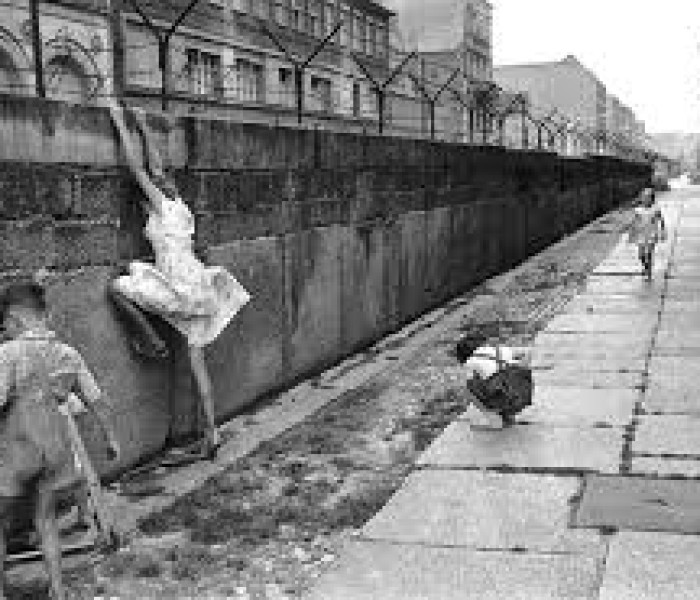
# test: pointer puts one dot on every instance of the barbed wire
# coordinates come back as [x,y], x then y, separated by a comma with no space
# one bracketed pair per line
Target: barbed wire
[413,105]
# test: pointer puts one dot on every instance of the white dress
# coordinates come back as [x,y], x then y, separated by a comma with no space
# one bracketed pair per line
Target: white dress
[199,301]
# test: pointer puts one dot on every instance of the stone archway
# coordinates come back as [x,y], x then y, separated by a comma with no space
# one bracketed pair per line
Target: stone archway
[70,72]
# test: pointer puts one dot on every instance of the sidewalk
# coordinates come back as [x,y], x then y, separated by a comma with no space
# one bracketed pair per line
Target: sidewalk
[596,494]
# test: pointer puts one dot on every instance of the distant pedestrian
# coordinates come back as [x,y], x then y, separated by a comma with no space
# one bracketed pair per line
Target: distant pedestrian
[37,374]
[647,229]
[199,301]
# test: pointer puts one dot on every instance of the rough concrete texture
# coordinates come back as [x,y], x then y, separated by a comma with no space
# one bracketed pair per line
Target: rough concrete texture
[617,363]
[668,435]
[672,385]
[453,506]
[570,376]
[665,466]
[481,510]
[649,566]
[639,504]
[534,446]
[340,238]
[579,407]
[603,323]
[398,572]
[612,304]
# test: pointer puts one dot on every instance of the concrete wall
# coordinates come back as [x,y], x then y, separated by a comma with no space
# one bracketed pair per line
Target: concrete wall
[340,238]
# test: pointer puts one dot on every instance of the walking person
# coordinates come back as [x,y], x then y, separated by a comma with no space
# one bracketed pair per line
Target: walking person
[647,229]
[197,300]
[37,463]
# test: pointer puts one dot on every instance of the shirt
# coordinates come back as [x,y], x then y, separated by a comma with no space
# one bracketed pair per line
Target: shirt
[37,374]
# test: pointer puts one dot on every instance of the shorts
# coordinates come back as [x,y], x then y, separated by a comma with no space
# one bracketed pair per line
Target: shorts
[26,470]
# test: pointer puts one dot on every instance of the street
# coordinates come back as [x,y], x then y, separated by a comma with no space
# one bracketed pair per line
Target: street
[386,490]
[596,495]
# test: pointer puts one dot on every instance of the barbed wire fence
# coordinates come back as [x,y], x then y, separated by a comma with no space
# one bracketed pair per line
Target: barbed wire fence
[400,99]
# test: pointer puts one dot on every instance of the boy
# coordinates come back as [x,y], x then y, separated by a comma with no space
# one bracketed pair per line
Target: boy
[648,228]
[37,373]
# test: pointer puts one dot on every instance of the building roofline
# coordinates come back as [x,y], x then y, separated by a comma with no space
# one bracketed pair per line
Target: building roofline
[373,6]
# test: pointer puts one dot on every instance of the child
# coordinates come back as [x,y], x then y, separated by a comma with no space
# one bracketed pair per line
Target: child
[647,229]
[199,301]
[498,383]
[37,374]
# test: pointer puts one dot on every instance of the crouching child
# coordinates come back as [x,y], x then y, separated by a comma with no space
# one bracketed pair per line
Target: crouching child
[499,382]
[37,374]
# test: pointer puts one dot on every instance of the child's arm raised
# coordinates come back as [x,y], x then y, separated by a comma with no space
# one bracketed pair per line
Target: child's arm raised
[152,192]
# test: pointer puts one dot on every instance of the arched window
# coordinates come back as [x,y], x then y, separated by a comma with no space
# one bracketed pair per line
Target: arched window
[66,80]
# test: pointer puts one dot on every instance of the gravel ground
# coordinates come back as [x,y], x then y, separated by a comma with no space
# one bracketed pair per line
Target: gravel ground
[273,521]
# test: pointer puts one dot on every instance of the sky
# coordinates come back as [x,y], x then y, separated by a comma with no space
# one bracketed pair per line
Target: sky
[646,53]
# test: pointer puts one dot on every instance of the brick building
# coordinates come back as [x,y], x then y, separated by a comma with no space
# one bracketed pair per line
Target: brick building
[448,35]
[598,121]
[219,59]
[75,48]
[222,55]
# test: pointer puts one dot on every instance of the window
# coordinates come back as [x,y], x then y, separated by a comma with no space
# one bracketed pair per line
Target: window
[346,32]
[286,87]
[359,41]
[329,17]
[321,94]
[249,81]
[258,8]
[204,74]
[298,20]
[282,12]
[315,28]
[65,80]
[371,39]
[356,100]
[382,40]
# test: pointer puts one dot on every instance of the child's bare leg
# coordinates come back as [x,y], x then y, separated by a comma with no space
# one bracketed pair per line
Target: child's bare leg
[204,388]
[47,528]
[144,337]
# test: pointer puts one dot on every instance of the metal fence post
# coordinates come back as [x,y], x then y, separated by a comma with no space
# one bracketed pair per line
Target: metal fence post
[37,49]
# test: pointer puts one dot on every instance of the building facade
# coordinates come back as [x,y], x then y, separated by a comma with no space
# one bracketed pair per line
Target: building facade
[75,49]
[229,57]
[568,93]
[449,36]
[234,55]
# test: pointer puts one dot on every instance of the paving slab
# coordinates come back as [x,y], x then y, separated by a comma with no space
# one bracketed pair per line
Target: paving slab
[535,446]
[680,321]
[629,286]
[607,323]
[670,341]
[652,566]
[672,306]
[619,363]
[602,304]
[673,385]
[483,511]
[639,504]
[668,435]
[572,376]
[592,344]
[581,407]
[379,571]
[682,293]
[665,467]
